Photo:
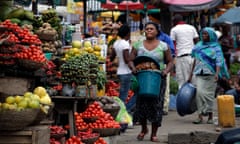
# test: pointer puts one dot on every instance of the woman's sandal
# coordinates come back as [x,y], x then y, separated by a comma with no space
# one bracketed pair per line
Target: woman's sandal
[154,139]
[210,121]
[140,136]
[198,121]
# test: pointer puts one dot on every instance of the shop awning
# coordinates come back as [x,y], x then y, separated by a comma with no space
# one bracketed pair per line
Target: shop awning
[191,5]
[231,16]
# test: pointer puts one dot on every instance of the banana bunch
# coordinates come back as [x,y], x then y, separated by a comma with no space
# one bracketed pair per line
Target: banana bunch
[37,22]
[48,14]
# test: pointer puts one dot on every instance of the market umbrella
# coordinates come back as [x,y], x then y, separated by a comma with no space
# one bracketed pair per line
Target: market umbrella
[231,16]
[125,5]
[191,5]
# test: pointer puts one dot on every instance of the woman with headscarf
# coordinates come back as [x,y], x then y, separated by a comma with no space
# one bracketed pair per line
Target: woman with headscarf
[209,66]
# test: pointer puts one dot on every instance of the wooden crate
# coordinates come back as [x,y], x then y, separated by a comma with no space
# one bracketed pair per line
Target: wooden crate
[30,135]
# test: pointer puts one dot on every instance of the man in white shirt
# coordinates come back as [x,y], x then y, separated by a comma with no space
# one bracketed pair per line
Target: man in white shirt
[184,37]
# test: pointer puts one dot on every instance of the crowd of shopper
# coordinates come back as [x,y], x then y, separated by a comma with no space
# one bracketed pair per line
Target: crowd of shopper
[200,57]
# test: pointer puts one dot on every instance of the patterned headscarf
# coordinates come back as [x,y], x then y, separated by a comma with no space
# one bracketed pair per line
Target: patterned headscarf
[210,53]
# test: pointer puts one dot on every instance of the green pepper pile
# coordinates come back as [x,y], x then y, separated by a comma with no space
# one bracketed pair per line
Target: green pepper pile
[81,70]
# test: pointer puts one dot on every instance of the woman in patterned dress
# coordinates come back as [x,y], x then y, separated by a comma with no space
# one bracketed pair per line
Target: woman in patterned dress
[151,109]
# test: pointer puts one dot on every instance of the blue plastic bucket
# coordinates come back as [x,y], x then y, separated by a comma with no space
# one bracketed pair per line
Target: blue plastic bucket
[149,82]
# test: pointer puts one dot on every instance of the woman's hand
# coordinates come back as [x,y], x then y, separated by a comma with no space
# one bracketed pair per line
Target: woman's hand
[216,77]
[164,73]
[134,70]
[132,67]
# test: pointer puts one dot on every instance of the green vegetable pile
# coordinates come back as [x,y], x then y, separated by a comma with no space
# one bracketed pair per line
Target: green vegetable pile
[83,70]
[234,68]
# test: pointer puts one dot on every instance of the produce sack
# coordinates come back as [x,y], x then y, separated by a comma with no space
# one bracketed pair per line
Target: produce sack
[185,101]
[123,116]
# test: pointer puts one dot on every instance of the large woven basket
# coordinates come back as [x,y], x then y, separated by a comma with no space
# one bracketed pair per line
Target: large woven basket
[91,140]
[17,120]
[41,116]
[113,111]
[29,64]
[104,132]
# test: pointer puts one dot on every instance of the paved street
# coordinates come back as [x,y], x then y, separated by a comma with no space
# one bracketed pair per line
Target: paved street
[173,124]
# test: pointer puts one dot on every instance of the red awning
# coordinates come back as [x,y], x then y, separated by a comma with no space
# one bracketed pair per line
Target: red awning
[125,5]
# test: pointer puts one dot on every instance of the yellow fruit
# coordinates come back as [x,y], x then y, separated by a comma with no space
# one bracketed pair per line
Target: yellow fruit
[76,44]
[35,97]
[18,98]
[34,104]
[90,50]
[40,91]
[10,100]
[97,53]
[27,94]
[87,44]
[5,106]
[23,104]
[46,100]
[12,107]
[97,48]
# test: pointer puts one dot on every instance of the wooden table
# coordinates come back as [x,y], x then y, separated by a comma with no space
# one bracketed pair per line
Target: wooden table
[69,105]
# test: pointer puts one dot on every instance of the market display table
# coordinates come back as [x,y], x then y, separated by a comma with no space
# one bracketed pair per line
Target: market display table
[39,134]
[69,105]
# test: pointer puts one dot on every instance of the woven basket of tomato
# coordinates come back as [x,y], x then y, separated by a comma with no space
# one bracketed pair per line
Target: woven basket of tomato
[91,140]
[104,132]
[17,120]
[88,137]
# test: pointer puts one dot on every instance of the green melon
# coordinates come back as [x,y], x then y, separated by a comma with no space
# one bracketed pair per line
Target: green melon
[16,13]
[5,10]
[15,20]
[29,15]
[25,22]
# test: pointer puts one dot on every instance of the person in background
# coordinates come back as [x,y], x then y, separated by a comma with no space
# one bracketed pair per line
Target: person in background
[236,90]
[151,109]
[227,43]
[121,50]
[166,38]
[208,67]
[184,36]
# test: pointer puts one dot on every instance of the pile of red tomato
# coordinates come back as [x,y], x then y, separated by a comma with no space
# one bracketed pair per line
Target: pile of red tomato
[21,43]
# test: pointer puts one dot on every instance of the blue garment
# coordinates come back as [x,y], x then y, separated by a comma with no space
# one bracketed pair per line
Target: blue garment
[236,95]
[125,83]
[210,53]
[166,38]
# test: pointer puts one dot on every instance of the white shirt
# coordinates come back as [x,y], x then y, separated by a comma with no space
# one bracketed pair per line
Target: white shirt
[183,34]
[120,45]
